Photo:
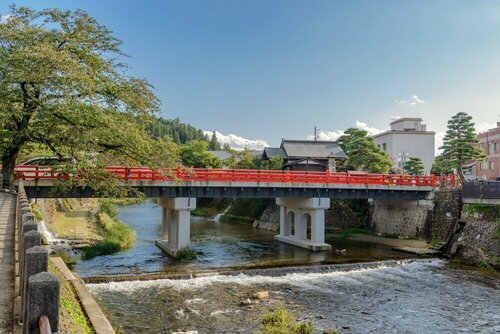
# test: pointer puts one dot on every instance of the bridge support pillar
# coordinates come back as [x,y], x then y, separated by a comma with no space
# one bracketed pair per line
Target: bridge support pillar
[175,223]
[302,222]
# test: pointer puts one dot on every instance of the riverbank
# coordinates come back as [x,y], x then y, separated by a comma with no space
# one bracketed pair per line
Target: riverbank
[90,225]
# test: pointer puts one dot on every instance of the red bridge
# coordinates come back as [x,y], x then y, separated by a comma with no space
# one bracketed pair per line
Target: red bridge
[247,182]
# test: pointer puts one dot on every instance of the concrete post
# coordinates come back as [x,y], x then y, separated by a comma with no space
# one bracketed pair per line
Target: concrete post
[318,226]
[300,232]
[42,299]
[30,239]
[22,211]
[176,223]
[36,260]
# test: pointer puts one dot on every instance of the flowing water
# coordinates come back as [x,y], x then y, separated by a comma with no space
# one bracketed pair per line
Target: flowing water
[401,296]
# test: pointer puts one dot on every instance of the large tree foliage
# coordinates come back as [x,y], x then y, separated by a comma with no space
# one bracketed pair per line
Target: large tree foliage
[362,152]
[194,154]
[180,133]
[441,165]
[214,144]
[460,143]
[62,86]
[414,166]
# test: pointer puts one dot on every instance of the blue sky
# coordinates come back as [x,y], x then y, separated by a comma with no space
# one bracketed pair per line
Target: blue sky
[273,69]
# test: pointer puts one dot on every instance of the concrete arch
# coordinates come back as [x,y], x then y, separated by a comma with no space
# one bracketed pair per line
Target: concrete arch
[290,223]
[306,218]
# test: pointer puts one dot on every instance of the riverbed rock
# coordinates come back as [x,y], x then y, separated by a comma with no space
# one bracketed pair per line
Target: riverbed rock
[261,295]
[246,302]
[187,332]
[471,254]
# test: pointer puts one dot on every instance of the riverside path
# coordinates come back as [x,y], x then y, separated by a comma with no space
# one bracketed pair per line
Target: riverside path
[7,261]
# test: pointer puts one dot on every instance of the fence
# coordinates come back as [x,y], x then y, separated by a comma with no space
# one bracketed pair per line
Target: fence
[246,175]
[481,190]
[39,290]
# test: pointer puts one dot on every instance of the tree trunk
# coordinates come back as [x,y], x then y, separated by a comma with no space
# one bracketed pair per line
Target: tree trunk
[8,165]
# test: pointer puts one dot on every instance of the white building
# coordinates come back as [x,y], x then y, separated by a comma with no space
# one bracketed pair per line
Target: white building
[407,138]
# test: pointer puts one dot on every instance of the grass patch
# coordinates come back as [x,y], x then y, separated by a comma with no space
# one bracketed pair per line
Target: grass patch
[72,317]
[186,254]
[35,208]
[116,236]
[344,234]
[281,321]
[484,211]
[125,201]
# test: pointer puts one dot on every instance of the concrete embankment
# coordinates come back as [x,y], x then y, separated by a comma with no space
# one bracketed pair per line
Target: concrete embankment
[99,324]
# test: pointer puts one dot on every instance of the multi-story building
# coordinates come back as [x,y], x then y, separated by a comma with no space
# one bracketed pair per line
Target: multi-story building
[489,142]
[408,137]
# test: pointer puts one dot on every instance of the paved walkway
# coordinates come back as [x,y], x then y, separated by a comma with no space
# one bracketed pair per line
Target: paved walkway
[7,261]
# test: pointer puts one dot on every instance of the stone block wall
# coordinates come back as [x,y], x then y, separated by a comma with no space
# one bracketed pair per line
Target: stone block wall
[402,218]
[479,240]
[446,212]
[341,215]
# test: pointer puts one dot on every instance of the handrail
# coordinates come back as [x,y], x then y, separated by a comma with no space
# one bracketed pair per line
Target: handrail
[246,175]
[44,325]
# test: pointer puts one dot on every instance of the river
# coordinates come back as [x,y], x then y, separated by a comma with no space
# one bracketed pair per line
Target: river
[402,296]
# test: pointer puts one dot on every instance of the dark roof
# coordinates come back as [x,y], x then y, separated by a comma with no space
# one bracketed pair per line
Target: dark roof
[312,148]
[271,152]
[304,161]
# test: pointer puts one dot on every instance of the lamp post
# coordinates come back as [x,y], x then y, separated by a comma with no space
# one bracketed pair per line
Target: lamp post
[403,156]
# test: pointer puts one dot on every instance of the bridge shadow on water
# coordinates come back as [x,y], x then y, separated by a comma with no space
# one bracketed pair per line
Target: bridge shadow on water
[219,245]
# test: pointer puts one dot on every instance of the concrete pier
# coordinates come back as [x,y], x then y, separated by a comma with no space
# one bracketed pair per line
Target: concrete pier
[176,224]
[302,222]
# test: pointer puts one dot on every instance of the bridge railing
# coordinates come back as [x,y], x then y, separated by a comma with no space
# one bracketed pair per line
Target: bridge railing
[481,190]
[247,175]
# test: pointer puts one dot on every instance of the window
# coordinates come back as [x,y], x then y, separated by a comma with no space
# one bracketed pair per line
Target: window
[492,165]
[384,146]
[484,166]
[495,146]
[491,148]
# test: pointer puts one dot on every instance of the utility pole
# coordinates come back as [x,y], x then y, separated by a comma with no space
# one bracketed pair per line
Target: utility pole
[315,133]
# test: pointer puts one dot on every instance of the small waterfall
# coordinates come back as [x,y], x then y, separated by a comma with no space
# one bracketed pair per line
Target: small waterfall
[218,217]
[49,236]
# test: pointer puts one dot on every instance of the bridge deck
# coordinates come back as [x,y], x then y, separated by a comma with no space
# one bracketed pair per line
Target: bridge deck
[7,261]
[200,182]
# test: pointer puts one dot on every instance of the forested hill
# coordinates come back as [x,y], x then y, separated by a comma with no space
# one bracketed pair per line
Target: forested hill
[178,131]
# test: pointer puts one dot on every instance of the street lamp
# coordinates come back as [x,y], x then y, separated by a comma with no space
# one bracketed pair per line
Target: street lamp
[403,156]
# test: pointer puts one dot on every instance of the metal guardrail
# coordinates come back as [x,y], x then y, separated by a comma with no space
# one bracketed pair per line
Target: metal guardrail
[481,190]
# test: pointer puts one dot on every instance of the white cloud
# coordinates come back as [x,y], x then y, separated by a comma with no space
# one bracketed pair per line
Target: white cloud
[413,101]
[4,18]
[483,126]
[237,142]
[334,135]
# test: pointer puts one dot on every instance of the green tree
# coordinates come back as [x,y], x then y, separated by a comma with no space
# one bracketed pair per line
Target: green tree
[362,152]
[214,145]
[180,132]
[460,143]
[194,154]
[226,147]
[62,86]
[414,166]
[441,165]
[245,159]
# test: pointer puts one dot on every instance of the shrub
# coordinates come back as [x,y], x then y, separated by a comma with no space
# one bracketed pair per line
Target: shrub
[282,321]
[186,254]
[117,236]
[108,207]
